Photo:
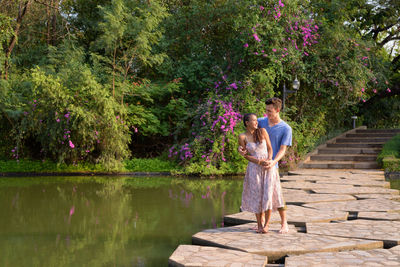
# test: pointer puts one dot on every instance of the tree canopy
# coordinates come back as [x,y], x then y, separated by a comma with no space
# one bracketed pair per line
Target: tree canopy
[100,80]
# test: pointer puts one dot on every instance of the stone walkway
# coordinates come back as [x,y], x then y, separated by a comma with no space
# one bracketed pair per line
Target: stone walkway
[336,218]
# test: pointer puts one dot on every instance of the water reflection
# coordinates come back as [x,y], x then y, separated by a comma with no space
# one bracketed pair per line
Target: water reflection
[107,221]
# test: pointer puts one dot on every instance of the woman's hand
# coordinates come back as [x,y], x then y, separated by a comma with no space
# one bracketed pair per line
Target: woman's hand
[266,163]
[242,151]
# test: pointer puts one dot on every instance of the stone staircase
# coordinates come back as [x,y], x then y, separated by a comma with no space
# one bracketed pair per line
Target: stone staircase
[355,149]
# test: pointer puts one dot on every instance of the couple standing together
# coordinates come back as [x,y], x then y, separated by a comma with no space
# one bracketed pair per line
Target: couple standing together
[263,144]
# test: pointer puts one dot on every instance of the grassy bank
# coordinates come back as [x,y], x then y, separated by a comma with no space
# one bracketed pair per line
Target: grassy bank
[389,158]
[132,165]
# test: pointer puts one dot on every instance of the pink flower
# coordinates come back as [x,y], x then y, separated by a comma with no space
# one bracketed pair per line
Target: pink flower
[72,211]
[233,85]
[57,120]
[388,90]
[262,8]
[71,144]
[246,45]
[256,37]
[362,89]
[273,49]
[374,91]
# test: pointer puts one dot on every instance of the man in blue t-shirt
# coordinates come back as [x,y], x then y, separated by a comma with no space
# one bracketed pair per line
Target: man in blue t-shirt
[280,134]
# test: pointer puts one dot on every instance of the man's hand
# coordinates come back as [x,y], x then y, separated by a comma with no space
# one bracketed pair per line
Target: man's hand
[242,151]
[270,164]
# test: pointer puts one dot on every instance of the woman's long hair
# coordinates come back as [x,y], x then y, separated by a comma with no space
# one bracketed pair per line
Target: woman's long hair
[258,134]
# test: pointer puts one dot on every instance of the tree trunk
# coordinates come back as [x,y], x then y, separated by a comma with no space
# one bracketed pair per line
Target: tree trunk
[23,9]
[54,23]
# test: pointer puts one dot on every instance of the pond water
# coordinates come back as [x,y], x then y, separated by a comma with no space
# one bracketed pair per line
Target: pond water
[107,221]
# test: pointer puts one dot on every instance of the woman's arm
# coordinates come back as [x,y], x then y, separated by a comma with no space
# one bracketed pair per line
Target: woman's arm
[269,146]
[242,143]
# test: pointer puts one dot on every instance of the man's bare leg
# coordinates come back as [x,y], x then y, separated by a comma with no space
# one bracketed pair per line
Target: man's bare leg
[284,225]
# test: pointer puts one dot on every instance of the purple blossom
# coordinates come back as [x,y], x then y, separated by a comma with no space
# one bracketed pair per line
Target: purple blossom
[256,37]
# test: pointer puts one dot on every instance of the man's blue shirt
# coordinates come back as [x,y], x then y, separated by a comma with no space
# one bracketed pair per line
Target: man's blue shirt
[279,134]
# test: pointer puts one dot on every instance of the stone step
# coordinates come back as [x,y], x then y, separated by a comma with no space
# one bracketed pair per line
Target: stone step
[349,151]
[363,140]
[356,145]
[363,135]
[340,165]
[345,157]
[396,131]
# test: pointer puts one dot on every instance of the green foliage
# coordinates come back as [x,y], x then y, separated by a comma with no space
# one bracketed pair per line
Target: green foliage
[389,157]
[156,108]
[388,110]
[178,74]
[70,115]
[35,166]
[6,31]
[150,165]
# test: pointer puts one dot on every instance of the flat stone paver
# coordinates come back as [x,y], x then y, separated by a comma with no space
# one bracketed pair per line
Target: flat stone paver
[310,178]
[368,172]
[189,255]
[315,198]
[319,172]
[374,257]
[388,196]
[386,231]
[287,191]
[355,190]
[383,216]
[275,245]
[296,215]
[359,182]
[311,186]
[381,204]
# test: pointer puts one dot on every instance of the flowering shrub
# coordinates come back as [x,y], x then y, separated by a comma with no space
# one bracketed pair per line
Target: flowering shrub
[69,117]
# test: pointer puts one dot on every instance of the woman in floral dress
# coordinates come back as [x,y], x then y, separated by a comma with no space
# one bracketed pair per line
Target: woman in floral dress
[261,186]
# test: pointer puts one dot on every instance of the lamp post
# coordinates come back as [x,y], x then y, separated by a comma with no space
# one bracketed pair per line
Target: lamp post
[295,86]
[354,118]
